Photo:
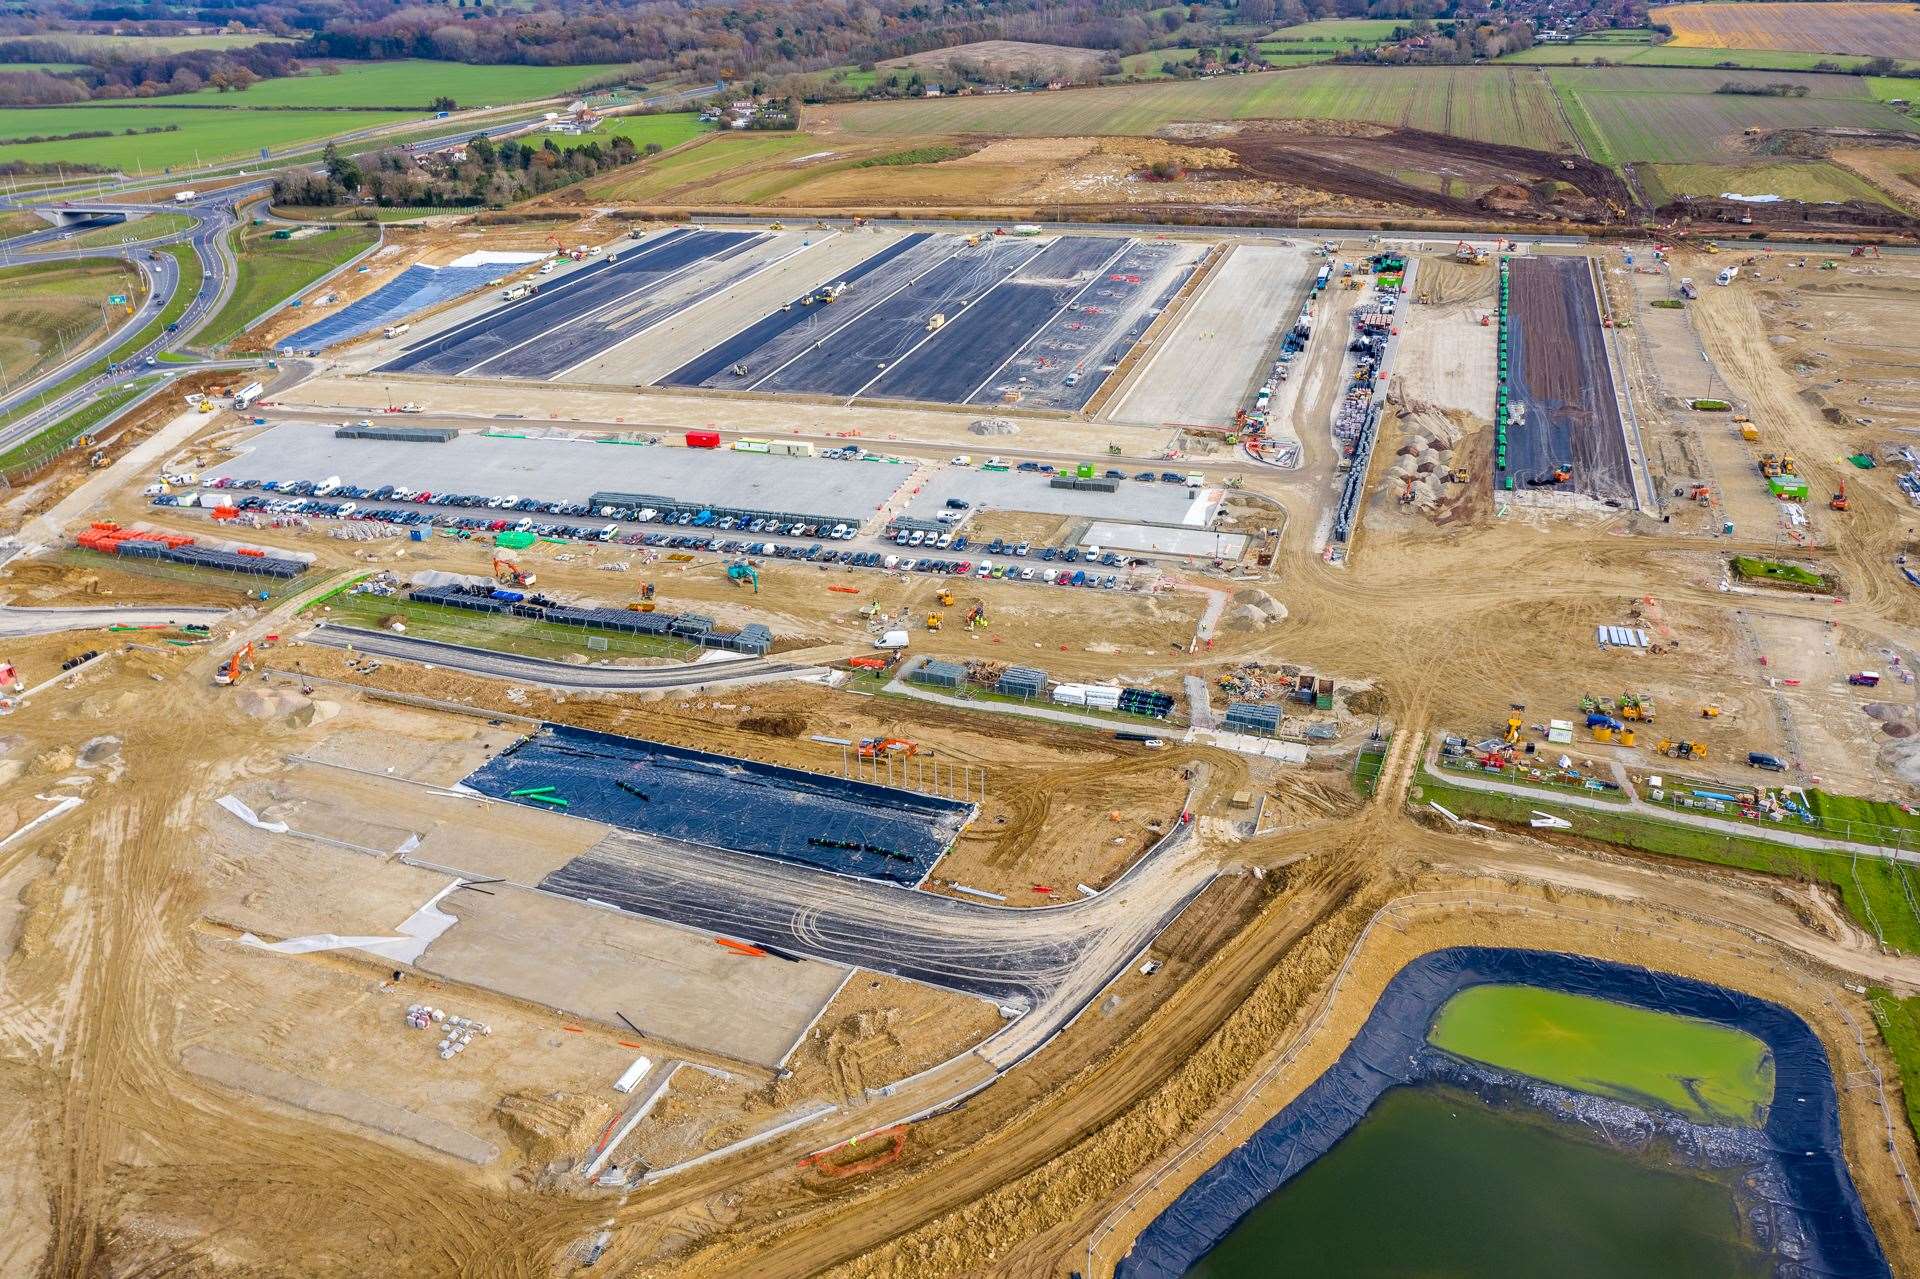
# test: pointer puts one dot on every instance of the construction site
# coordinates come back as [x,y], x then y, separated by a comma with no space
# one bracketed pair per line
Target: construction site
[517,795]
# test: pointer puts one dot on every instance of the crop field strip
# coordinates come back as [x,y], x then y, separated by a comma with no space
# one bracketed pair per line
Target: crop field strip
[1635,115]
[1834,26]
[1507,105]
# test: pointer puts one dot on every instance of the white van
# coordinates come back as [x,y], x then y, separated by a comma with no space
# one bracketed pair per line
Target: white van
[546,268]
[892,561]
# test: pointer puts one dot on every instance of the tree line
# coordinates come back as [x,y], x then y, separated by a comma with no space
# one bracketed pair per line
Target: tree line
[487,174]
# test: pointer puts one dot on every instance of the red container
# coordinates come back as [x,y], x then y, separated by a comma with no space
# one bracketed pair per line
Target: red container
[245,550]
[703,439]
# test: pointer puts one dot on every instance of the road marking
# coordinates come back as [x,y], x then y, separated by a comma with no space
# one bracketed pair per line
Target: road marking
[927,337]
[685,307]
[858,311]
[640,253]
[583,317]
[1045,325]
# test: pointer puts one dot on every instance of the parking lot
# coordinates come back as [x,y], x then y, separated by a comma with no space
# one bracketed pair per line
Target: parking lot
[572,470]
[1154,501]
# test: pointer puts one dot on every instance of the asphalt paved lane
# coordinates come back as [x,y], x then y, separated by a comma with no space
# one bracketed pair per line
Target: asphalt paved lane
[552,306]
[965,353]
[535,670]
[854,355]
[711,368]
[914,935]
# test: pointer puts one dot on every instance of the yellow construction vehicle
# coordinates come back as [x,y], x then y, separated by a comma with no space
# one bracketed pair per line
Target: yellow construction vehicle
[933,621]
[1513,729]
[1682,749]
[1710,711]
[1635,706]
[946,597]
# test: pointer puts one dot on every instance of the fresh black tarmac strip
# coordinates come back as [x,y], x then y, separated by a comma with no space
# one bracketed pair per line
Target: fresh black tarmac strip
[1799,1150]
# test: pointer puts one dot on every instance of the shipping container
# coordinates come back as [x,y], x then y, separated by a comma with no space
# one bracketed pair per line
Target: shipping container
[703,439]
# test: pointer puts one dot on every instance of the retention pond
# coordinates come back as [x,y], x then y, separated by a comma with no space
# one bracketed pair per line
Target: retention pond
[1517,1113]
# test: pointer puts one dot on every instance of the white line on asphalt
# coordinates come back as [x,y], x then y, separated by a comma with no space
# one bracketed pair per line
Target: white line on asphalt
[930,334]
[1042,327]
[684,308]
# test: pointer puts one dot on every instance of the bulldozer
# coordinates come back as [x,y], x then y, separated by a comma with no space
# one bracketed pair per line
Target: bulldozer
[945,597]
[1710,711]
[1682,749]
[933,621]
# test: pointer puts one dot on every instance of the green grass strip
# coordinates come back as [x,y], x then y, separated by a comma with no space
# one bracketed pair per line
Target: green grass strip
[1871,889]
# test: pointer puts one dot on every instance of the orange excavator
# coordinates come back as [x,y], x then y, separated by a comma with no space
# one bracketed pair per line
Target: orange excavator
[874,747]
[242,659]
[1838,501]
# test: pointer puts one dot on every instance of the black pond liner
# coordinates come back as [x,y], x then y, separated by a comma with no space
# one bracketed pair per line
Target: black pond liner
[1801,1139]
[834,823]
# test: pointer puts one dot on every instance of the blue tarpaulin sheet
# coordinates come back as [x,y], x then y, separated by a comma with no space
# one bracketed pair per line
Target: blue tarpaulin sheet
[835,823]
[1801,1139]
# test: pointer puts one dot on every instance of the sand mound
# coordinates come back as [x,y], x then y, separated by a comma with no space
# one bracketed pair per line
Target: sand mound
[57,760]
[551,1129]
[1253,609]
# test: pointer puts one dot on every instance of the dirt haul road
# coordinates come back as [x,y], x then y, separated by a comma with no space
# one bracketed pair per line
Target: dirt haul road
[135,1165]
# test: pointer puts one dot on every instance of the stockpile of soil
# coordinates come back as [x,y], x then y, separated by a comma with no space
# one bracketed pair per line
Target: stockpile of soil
[1469,179]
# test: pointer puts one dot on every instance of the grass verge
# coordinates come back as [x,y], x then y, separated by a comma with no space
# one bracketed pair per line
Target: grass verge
[523,636]
[1899,1022]
[51,439]
[272,271]
[1878,893]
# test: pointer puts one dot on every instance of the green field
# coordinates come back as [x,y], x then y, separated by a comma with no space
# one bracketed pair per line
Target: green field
[163,44]
[710,161]
[1841,811]
[49,310]
[1815,181]
[1882,896]
[203,136]
[1899,1022]
[1148,65]
[272,271]
[1752,569]
[42,66]
[1628,115]
[669,130]
[1642,52]
[1710,1073]
[1351,32]
[151,227]
[408,83]
[80,421]
[1515,106]
[520,635]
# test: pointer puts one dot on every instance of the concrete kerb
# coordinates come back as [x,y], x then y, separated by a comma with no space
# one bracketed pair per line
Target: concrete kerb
[744,1143]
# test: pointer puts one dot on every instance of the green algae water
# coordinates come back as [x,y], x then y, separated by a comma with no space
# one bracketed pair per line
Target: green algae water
[1434,1183]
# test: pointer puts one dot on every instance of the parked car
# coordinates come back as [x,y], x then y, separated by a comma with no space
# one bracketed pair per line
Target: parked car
[1760,759]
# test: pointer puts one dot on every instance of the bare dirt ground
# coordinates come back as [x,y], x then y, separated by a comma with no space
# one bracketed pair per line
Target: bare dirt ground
[122,983]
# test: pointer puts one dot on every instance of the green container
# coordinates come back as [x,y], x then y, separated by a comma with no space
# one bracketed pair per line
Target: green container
[514,540]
